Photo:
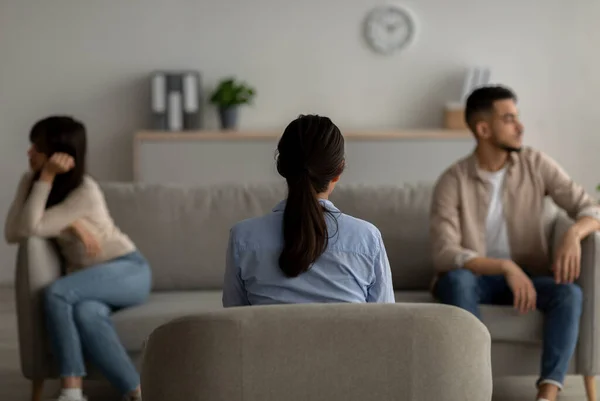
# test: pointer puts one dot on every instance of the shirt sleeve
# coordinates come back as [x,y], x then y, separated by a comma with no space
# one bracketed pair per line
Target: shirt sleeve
[12,231]
[381,290]
[567,194]
[592,211]
[36,220]
[234,293]
[445,230]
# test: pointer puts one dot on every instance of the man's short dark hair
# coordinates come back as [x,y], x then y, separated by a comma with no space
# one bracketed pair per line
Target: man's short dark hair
[481,100]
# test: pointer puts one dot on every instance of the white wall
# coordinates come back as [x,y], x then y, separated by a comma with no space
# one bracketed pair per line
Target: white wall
[91,60]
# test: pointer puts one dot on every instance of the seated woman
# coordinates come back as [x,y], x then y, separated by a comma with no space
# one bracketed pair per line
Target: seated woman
[56,199]
[306,250]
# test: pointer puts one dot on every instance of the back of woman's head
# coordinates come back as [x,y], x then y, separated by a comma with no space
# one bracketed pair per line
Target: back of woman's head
[310,156]
[61,134]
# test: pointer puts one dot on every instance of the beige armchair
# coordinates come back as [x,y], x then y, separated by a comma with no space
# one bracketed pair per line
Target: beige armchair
[328,352]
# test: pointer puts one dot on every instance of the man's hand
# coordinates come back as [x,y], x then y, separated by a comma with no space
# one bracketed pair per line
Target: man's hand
[567,260]
[524,293]
[92,246]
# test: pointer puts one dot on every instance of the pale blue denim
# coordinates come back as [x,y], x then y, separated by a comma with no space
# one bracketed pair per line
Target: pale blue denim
[560,303]
[78,308]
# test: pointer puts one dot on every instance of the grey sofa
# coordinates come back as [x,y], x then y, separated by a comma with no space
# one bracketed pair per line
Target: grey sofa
[415,352]
[183,232]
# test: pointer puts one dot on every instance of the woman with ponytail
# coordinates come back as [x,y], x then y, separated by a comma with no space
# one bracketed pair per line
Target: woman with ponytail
[306,250]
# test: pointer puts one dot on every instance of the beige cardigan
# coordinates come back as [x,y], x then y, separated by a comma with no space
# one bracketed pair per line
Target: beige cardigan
[28,216]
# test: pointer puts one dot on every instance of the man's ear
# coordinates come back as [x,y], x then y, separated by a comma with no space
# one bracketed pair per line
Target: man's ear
[336,179]
[482,129]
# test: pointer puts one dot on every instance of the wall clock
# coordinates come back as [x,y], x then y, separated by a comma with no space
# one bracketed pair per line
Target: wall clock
[389,28]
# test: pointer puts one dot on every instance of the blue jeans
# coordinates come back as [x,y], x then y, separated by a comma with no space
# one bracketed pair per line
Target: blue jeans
[560,303]
[78,308]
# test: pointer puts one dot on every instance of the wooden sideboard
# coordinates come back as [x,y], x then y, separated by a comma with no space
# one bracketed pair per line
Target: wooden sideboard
[373,157]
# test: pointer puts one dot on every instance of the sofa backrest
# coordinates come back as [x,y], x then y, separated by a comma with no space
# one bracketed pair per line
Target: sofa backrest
[183,231]
[402,215]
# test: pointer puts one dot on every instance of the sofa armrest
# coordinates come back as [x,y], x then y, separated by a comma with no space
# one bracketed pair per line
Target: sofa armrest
[38,264]
[588,348]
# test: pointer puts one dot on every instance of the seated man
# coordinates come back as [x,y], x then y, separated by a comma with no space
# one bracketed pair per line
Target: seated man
[487,233]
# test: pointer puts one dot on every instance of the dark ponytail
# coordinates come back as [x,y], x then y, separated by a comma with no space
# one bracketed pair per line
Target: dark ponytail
[310,156]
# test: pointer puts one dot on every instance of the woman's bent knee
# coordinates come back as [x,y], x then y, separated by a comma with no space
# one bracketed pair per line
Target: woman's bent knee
[87,312]
[54,293]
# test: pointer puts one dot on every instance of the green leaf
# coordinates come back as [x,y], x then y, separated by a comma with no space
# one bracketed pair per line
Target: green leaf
[229,93]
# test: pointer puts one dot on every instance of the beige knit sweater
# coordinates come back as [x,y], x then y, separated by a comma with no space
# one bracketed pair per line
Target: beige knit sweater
[28,217]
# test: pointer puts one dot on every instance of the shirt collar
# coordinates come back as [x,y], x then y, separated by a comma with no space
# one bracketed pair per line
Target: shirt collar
[280,207]
[476,172]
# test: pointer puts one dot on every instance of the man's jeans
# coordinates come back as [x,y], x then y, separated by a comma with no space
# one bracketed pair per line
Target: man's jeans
[560,303]
[78,308]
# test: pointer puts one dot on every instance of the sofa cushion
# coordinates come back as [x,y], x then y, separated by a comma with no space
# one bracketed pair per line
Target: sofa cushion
[135,324]
[503,322]
[183,231]
[401,213]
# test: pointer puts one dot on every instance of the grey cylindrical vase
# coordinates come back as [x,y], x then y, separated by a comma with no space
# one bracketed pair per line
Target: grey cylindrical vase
[229,117]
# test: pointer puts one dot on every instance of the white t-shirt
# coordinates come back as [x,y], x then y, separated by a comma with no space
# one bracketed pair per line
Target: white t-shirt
[496,234]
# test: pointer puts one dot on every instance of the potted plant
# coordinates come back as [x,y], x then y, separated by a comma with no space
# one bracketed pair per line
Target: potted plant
[228,96]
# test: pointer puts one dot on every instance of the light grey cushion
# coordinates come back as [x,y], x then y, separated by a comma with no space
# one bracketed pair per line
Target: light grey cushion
[135,324]
[503,322]
[183,231]
[402,215]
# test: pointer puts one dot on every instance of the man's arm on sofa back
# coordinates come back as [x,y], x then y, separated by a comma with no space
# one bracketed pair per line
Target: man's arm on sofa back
[38,265]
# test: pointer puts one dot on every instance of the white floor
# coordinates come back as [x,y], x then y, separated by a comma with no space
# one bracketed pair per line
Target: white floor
[13,387]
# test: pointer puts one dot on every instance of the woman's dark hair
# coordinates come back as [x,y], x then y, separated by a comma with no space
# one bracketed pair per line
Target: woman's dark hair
[310,154]
[65,135]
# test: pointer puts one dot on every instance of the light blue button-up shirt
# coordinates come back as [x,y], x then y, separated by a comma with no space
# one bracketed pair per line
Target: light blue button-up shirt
[353,268]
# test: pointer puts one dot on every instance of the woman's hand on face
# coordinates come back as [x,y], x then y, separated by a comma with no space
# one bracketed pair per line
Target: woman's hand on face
[59,163]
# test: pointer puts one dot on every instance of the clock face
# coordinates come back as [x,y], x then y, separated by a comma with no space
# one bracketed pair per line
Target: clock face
[388,29]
